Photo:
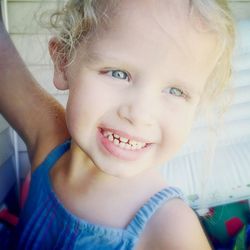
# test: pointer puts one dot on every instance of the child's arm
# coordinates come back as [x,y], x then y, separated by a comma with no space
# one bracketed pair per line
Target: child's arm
[38,118]
[174,226]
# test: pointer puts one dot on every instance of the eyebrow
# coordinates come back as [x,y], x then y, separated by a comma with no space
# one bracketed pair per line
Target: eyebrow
[120,62]
[94,57]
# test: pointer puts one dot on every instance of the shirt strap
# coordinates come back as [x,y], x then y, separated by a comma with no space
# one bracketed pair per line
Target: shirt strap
[138,223]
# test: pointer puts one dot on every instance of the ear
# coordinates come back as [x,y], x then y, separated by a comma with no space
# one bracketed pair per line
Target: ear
[59,79]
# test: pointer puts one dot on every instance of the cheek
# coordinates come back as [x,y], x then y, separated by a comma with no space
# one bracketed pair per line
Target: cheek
[88,101]
[78,113]
[176,126]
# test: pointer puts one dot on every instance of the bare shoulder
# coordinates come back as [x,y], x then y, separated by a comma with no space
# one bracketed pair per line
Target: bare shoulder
[174,226]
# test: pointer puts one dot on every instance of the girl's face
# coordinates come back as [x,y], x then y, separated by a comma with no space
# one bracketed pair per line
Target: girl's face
[133,94]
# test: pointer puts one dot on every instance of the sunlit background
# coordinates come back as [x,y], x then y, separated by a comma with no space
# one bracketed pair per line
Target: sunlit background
[229,179]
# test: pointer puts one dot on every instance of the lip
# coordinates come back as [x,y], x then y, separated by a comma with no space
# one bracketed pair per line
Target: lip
[123,154]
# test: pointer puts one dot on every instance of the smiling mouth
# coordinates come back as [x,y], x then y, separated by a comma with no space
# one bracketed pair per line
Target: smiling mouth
[123,142]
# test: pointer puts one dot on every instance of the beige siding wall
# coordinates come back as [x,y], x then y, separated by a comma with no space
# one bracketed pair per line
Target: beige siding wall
[31,40]
[240,8]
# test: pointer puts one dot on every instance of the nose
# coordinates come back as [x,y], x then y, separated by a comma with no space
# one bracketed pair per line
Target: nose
[137,110]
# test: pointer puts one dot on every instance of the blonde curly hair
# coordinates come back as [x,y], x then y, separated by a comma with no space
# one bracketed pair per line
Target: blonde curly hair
[78,20]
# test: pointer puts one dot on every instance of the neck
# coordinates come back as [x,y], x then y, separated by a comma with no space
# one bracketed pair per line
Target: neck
[88,176]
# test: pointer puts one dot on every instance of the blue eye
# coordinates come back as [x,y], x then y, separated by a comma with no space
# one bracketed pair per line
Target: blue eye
[177,92]
[119,74]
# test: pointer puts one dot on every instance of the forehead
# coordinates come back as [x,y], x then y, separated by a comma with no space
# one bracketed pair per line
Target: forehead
[156,31]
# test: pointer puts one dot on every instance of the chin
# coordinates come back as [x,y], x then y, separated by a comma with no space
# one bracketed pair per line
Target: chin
[119,170]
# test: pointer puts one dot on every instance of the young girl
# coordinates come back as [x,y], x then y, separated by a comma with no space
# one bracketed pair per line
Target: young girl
[137,72]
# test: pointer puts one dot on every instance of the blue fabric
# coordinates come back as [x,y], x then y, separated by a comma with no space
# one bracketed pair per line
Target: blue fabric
[46,224]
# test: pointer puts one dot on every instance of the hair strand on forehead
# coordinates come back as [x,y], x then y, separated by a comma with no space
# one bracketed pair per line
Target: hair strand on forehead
[77,21]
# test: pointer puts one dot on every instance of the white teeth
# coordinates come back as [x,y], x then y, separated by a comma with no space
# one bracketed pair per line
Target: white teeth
[133,143]
[110,137]
[107,133]
[123,139]
[116,142]
[116,136]
[123,142]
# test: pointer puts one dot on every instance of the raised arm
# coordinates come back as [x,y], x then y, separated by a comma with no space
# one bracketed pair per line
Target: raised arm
[29,109]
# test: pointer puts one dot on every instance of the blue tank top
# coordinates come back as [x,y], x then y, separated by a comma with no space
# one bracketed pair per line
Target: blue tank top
[46,224]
